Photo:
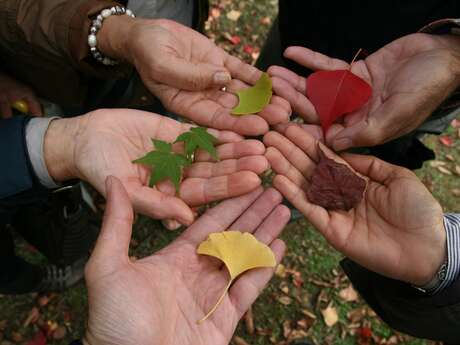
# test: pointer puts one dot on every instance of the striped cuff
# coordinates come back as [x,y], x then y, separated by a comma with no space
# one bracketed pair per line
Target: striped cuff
[452,226]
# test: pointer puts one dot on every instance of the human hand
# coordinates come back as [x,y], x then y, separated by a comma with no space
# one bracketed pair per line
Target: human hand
[159,299]
[13,91]
[410,78]
[105,142]
[186,71]
[397,230]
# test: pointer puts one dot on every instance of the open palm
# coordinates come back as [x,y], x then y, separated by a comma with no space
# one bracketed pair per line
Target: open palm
[410,78]
[160,298]
[177,64]
[109,140]
[396,221]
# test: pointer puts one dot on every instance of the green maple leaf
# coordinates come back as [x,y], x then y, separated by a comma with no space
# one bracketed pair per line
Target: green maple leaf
[165,163]
[198,138]
[254,99]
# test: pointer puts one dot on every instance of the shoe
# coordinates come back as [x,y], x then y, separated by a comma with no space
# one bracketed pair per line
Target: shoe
[58,279]
[64,228]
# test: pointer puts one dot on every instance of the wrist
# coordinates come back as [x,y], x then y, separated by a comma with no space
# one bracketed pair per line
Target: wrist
[58,148]
[114,36]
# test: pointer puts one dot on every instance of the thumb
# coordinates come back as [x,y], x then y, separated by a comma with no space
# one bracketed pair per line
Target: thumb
[111,250]
[186,75]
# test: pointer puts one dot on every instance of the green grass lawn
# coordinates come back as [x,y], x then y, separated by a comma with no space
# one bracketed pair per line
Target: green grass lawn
[310,279]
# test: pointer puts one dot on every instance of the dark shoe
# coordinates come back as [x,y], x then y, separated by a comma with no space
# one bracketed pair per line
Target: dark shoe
[64,228]
[58,279]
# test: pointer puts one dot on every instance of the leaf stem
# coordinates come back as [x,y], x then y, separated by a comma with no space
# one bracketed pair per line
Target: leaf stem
[221,298]
[356,56]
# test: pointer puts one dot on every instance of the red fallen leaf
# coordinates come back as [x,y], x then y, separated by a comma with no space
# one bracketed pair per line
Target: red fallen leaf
[235,40]
[446,140]
[248,49]
[334,185]
[38,339]
[336,93]
[365,336]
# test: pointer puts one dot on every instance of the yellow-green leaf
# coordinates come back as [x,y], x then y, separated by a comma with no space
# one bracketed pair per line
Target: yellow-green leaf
[239,251]
[254,99]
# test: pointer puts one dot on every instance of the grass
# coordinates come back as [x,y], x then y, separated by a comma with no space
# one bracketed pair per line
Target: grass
[309,259]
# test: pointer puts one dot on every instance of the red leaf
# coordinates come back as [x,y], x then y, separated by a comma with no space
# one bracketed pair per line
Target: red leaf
[38,339]
[335,93]
[235,40]
[248,49]
[446,141]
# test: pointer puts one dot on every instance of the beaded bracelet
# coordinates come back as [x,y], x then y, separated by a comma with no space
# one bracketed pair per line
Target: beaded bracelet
[96,25]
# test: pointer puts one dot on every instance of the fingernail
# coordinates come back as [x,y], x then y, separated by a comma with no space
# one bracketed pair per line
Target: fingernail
[342,144]
[222,78]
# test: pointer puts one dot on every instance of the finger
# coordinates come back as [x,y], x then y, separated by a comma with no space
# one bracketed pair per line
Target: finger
[259,210]
[376,169]
[297,82]
[282,166]
[291,152]
[155,204]
[273,225]
[34,106]
[5,109]
[256,164]
[314,130]
[314,60]
[192,76]
[248,287]
[200,191]
[233,151]
[111,250]
[220,217]
[299,102]
[317,215]
[241,70]
[306,142]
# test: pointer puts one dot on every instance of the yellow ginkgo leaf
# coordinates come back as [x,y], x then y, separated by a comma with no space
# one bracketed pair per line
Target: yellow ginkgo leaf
[240,251]
[20,106]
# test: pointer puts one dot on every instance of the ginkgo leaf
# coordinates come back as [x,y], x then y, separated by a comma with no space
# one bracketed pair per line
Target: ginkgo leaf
[239,251]
[198,138]
[254,99]
[165,163]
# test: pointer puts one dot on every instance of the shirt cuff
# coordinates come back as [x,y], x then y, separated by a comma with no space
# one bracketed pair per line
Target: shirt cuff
[35,139]
[452,226]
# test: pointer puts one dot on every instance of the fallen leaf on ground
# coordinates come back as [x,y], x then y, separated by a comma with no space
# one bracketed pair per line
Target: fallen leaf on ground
[239,341]
[334,185]
[446,140]
[356,315]
[280,271]
[234,15]
[435,164]
[336,93]
[450,157]
[239,251]
[287,328]
[16,337]
[253,99]
[38,339]
[456,192]
[285,300]
[308,313]
[444,171]
[330,315]
[60,333]
[33,316]
[249,321]
[348,294]
[457,170]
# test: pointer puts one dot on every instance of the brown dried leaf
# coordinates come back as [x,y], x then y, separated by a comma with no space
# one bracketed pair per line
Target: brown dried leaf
[239,341]
[284,287]
[234,15]
[450,158]
[32,318]
[356,315]
[297,334]
[456,192]
[285,300]
[16,337]
[287,328]
[308,313]
[249,321]
[334,184]
[457,170]
[435,164]
[444,170]
[330,315]
[280,271]
[348,294]
[60,333]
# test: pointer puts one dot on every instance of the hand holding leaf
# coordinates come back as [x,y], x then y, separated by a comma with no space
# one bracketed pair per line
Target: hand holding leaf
[176,286]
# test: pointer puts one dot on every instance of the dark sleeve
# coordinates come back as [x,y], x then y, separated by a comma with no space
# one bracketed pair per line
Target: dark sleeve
[406,309]
[18,184]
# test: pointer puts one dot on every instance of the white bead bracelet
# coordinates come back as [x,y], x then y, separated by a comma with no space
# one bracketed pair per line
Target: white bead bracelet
[96,26]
